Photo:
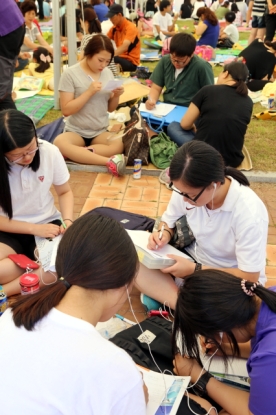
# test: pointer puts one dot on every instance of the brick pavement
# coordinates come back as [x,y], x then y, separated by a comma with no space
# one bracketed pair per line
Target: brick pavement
[148,197]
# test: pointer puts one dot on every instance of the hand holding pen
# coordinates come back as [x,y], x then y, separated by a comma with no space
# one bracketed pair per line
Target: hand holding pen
[159,239]
[150,103]
[95,86]
[160,235]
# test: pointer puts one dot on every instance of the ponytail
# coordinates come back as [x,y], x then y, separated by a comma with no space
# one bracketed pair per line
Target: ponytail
[95,253]
[267,296]
[239,72]
[28,311]
[237,175]
[241,88]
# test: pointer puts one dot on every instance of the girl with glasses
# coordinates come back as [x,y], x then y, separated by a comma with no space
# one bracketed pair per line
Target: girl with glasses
[50,337]
[228,220]
[28,169]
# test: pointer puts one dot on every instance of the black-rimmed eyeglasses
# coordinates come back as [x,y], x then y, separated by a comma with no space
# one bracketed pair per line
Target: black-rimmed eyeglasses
[185,194]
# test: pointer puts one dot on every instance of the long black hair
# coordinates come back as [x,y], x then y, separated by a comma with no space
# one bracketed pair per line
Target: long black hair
[210,302]
[17,130]
[198,164]
[95,253]
[239,72]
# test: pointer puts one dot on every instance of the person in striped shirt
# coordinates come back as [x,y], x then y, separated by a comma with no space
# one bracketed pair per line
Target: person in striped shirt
[256,8]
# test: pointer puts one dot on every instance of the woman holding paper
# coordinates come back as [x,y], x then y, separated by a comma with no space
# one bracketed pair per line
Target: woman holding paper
[228,220]
[85,103]
[28,169]
[51,338]
[211,302]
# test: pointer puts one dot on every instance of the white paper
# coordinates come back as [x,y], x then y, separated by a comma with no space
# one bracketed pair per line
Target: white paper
[47,251]
[140,238]
[113,84]
[164,390]
[160,110]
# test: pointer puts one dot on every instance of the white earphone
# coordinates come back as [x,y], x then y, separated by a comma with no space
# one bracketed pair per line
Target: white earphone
[215,186]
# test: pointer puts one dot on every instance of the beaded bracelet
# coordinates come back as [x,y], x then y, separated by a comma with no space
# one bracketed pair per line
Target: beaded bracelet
[68,219]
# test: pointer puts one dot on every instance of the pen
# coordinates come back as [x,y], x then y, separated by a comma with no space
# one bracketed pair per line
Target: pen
[160,235]
[125,319]
[63,224]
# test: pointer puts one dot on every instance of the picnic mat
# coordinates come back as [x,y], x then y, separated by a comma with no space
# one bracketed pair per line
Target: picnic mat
[154,44]
[35,107]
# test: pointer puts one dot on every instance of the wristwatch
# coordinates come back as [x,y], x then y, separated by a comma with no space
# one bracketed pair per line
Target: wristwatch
[200,387]
[198,266]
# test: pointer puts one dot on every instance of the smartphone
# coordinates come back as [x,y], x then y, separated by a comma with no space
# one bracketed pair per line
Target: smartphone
[23,261]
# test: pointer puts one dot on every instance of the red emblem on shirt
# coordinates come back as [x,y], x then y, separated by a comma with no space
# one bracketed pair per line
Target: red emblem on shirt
[41,178]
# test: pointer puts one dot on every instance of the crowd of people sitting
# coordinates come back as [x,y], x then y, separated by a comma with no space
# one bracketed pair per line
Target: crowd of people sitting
[218,294]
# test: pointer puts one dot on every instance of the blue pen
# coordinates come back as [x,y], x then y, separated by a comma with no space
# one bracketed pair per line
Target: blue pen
[125,319]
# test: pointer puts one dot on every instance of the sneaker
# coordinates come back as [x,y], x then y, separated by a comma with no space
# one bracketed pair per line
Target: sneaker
[164,177]
[116,165]
[149,303]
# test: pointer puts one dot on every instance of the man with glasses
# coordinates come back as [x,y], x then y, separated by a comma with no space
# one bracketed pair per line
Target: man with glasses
[181,72]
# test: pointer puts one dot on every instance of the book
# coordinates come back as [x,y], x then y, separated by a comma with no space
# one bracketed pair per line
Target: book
[29,83]
[236,374]
[165,391]
[157,259]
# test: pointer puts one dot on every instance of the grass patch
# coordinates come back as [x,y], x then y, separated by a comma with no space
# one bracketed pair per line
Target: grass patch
[260,137]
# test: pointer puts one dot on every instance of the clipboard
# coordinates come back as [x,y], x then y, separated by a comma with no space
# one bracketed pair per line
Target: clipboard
[175,115]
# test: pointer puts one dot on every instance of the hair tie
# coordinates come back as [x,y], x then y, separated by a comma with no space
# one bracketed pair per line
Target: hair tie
[249,291]
[66,283]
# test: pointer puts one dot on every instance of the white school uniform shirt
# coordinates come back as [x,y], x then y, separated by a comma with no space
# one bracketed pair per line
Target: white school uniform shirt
[232,236]
[65,367]
[163,22]
[32,200]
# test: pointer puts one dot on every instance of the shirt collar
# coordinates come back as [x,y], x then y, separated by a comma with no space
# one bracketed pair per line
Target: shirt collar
[232,195]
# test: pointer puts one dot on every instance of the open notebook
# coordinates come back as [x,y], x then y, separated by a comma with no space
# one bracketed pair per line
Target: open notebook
[157,259]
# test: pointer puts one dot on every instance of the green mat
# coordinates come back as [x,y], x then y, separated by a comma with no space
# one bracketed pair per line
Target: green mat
[232,52]
[35,107]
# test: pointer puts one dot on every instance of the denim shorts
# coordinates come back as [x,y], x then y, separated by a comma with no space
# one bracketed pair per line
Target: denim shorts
[258,22]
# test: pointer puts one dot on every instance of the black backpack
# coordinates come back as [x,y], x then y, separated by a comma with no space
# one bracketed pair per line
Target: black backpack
[130,221]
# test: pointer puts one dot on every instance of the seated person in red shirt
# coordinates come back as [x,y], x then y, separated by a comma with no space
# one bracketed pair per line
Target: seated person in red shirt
[126,37]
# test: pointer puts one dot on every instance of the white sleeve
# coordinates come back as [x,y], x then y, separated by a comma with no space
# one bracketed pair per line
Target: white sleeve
[251,246]
[61,174]
[175,209]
